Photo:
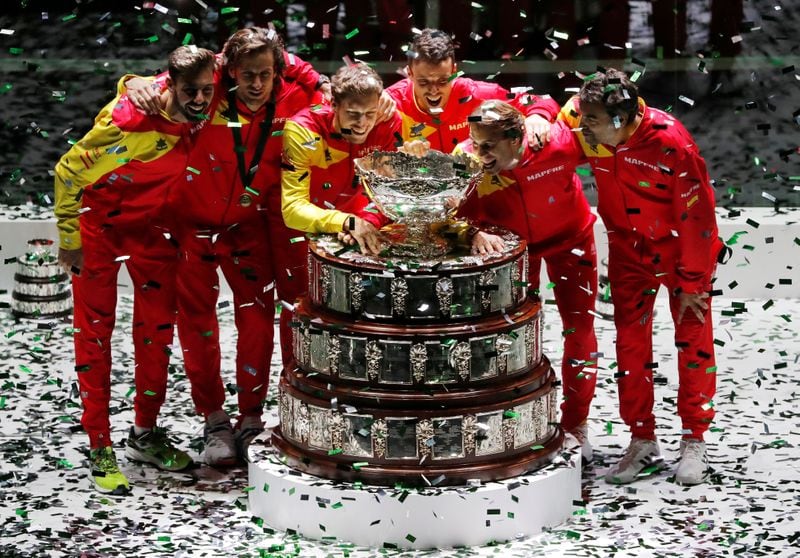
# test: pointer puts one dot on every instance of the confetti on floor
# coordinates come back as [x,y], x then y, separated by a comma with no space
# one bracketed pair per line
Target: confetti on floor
[749,507]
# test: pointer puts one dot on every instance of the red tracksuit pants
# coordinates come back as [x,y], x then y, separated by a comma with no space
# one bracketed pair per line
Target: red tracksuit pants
[243,255]
[636,270]
[151,262]
[573,270]
[289,261]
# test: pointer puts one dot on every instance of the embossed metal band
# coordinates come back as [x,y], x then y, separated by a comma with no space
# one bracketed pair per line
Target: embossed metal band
[443,355]
[314,425]
[434,296]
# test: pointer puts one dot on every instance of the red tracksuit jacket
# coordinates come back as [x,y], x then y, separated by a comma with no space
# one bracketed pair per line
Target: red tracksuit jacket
[119,173]
[447,129]
[541,199]
[656,185]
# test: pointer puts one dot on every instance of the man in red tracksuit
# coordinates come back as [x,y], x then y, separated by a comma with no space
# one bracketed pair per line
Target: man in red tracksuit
[109,189]
[538,196]
[283,241]
[658,207]
[321,192]
[435,101]
[232,181]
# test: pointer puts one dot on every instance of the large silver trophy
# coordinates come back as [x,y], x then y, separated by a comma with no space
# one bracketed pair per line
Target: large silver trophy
[419,194]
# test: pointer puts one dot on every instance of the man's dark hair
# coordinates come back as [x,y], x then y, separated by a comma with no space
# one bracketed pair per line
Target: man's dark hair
[432,46]
[188,62]
[253,40]
[614,90]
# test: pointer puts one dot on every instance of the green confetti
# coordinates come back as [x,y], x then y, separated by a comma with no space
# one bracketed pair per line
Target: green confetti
[609,427]
[458,74]
[735,238]
[2,401]
[15,50]
[25,369]
[150,393]
[69,17]
[188,38]
[335,451]
[131,391]
[584,171]
[352,34]
[5,88]
[192,169]
[152,39]
[228,10]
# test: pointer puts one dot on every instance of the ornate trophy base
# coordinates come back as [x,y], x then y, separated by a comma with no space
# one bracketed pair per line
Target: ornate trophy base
[432,517]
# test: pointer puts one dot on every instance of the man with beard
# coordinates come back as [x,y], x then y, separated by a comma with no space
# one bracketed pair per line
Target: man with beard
[657,203]
[229,211]
[109,189]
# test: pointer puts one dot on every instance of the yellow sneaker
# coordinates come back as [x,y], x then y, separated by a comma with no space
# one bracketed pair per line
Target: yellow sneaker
[106,474]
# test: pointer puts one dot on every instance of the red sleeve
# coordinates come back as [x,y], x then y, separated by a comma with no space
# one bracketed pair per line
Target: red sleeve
[527,103]
[693,211]
[301,72]
[530,104]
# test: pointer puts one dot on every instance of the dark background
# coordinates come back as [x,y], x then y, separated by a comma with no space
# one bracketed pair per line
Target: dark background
[733,80]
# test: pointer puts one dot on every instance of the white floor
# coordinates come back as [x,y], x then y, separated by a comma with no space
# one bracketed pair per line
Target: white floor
[750,508]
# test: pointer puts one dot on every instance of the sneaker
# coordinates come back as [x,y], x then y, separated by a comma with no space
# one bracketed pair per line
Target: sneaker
[249,427]
[220,448]
[641,459]
[581,436]
[693,467]
[105,472]
[155,447]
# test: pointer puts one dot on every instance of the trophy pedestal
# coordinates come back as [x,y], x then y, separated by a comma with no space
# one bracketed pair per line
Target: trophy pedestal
[417,371]
[432,517]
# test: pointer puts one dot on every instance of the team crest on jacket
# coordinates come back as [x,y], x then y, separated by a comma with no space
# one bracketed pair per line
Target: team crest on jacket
[161,144]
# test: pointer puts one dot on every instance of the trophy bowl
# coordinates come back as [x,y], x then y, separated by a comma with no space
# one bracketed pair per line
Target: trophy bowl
[419,194]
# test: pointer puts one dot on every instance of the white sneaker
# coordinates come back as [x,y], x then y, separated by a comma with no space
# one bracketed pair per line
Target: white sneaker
[693,467]
[220,448]
[249,427]
[581,436]
[641,459]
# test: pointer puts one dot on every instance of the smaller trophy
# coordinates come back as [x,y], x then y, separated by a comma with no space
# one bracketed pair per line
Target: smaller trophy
[420,194]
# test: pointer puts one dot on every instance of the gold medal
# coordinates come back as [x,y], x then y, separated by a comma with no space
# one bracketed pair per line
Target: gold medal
[245,200]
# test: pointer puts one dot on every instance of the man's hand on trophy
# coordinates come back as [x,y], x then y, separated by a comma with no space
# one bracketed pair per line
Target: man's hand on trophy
[417,148]
[386,107]
[144,94]
[484,243]
[357,230]
[537,129]
[453,202]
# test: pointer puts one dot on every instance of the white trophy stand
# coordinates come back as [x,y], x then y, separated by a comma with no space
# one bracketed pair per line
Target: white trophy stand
[381,517]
